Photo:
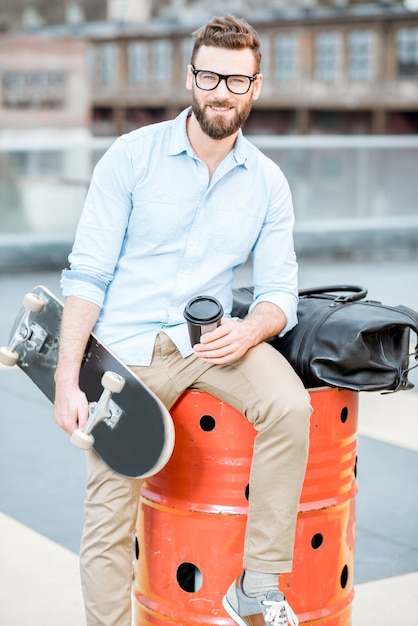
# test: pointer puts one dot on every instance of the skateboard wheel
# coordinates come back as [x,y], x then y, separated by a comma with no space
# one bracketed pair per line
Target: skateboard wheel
[7,357]
[33,302]
[113,382]
[81,440]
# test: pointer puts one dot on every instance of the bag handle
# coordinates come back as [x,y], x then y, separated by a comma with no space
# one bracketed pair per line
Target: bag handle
[328,292]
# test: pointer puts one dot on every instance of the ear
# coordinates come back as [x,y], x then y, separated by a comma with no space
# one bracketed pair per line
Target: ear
[189,78]
[257,87]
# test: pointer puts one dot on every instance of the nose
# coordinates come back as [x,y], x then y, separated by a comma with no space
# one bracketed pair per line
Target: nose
[221,88]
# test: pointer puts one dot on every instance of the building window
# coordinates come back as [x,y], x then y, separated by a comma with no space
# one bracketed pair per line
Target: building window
[328,56]
[407,52]
[286,58]
[161,61]
[109,58]
[137,60]
[36,89]
[361,55]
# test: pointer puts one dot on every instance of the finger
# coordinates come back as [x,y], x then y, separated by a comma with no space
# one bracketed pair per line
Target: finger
[220,331]
[82,419]
[229,352]
[215,348]
[214,342]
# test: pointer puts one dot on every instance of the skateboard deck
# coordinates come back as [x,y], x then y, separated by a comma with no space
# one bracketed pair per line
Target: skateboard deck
[129,427]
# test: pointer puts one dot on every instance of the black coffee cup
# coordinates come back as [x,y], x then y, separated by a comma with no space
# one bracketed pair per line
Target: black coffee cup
[202,315]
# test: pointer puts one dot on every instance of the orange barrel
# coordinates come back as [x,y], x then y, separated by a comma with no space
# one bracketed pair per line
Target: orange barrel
[192,516]
[320,588]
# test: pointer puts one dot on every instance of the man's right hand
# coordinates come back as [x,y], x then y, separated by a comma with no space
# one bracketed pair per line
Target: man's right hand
[70,408]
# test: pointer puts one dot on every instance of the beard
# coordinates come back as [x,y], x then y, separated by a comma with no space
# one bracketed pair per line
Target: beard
[218,127]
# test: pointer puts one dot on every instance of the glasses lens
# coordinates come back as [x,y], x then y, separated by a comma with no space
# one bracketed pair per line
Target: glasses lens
[207,80]
[238,84]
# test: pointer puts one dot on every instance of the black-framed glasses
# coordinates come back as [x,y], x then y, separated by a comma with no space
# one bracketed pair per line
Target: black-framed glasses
[238,84]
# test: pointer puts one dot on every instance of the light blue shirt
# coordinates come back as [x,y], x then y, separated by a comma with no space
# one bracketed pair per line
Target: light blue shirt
[156,230]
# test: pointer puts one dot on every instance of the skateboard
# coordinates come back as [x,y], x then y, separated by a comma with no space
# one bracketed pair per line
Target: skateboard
[128,426]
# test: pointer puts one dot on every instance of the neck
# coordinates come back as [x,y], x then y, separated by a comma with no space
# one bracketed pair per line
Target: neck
[210,151]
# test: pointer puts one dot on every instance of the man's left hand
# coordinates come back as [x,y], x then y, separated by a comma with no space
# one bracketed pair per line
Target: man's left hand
[229,342]
[233,338]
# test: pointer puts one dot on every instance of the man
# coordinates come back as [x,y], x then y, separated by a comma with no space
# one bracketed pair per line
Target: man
[172,210]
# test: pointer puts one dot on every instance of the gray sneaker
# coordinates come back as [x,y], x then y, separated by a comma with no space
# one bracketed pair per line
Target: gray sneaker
[269,610]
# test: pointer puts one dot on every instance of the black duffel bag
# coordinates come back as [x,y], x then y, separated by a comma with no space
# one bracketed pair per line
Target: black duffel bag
[342,340]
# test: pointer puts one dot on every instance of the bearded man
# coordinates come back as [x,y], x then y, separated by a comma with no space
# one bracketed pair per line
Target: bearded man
[172,211]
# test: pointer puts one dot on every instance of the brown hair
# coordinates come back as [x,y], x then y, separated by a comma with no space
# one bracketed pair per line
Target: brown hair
[228,32]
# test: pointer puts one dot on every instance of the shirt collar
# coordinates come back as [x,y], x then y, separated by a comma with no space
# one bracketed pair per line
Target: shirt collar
[179,142]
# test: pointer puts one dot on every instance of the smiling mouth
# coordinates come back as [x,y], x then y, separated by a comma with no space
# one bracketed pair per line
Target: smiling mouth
[220,108]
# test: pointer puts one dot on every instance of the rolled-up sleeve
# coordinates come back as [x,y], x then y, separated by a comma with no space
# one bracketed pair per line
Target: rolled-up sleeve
[81,284]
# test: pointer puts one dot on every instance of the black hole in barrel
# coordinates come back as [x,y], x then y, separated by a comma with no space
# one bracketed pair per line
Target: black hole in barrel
[207,423]
[355,468]
[136,548]
[247,492]
[344,415]
[344,577]
[317,541]
[189,577]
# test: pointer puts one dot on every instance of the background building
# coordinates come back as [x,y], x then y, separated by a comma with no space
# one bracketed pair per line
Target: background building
[43,85]
[325,72]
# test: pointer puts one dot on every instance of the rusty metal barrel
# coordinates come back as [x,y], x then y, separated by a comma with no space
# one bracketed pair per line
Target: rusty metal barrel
[192,516]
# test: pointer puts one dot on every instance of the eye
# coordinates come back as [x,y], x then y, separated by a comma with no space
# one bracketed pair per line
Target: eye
[239,81]
[208,77]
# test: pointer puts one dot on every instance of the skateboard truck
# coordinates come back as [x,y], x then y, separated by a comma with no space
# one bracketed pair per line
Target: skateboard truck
[105,410]
[25,331]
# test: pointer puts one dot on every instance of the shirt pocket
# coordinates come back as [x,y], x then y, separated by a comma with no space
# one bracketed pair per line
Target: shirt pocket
[156,216]
[235,230]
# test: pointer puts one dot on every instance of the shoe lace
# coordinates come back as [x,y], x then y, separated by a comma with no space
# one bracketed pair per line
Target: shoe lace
[280,613]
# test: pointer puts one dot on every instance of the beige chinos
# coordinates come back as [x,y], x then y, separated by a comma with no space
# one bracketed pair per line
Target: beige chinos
[263,387]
